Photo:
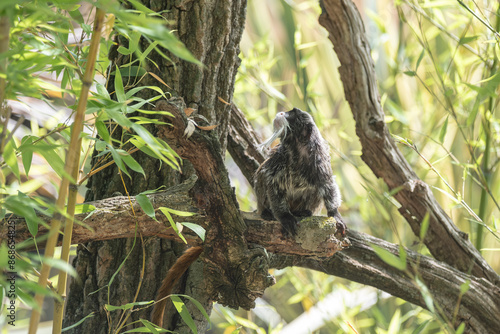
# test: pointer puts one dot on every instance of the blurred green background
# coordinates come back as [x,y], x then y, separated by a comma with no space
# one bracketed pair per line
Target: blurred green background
[437,71]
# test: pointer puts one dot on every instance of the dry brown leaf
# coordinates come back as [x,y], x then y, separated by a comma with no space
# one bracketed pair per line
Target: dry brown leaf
[207,128]
[189,111]
[159,79]
[223,101]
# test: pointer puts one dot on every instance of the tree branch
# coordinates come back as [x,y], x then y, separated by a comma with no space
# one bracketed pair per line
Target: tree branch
[114,218]
[479,306]
[119,217]
[444,240]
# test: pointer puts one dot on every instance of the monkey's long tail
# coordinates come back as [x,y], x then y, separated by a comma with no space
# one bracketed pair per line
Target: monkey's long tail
[173,275]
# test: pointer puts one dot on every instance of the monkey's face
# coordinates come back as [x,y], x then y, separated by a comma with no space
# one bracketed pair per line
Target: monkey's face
[299,124]
[294,125]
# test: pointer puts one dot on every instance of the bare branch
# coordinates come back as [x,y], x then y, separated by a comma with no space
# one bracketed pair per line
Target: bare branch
[479,306]
[445,241]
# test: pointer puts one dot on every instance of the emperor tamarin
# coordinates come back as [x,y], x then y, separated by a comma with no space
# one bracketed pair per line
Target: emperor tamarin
[297,176]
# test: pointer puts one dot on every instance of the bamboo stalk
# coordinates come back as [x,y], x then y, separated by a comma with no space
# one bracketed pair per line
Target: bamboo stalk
[71,168]
[73,191]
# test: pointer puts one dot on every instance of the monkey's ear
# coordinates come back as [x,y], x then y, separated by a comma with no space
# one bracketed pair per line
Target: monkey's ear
[307,131]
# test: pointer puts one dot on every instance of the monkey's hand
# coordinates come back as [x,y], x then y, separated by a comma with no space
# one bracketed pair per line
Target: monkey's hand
[341,226]
[288,224]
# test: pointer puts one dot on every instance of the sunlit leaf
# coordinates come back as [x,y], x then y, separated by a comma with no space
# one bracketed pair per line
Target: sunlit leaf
[184,313]
[200,231]
[84,208]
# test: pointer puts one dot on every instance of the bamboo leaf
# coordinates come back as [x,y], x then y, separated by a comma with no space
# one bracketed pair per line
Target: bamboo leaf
[184,313]
[9,156]
[167,214]
[424,226]
[77,323]
[84,208]
[442,132]
[146,205]
[133,164]
[27,155]
[391,259]
[127,306]
[200,231]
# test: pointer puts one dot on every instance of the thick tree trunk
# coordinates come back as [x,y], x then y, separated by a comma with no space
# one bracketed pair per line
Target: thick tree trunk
[211,30]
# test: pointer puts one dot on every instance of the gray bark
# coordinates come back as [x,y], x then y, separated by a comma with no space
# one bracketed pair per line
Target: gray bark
[211,30]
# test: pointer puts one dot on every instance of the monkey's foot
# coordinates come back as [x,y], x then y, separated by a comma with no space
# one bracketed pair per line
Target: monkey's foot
[341,228]
[302,213]
[288,224]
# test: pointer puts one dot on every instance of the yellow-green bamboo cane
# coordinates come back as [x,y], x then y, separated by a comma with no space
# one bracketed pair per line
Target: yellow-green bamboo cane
[71,168]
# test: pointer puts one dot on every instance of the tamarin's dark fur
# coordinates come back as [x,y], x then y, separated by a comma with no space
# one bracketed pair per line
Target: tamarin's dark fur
[293,181]
[297,176]
[173,275]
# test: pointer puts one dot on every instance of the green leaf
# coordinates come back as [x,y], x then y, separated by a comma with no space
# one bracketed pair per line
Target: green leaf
[119,90]
[61,265]
[461,328]
[77,323]
[246,323]
[420,59]
[103,132]
[123,50]
[101,89]
[9,156]
[84,208]
[55,161]
[421,327]
[180,213]
[429,302]
[196,303]
[200,231]
[127,306]
[172,223]
[4,258]
[165,38]
[26,155]
[184,313]
[131,71]
[465,40]
[77,16]
[146,205]
[133,164]
[424,226]
[442,132]
[23,206]
[391,259]
[118,159]
[149,327]
[410,73]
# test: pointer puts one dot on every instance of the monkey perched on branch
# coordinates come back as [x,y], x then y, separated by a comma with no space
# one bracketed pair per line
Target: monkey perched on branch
[297,176]
[293,182]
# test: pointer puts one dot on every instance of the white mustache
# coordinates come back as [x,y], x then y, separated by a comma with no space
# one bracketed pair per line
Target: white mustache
[280,126]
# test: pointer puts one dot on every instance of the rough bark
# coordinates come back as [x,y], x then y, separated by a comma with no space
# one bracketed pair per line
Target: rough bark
[379,151]
[478,308]
[121,217]
[211,30]
[359,263]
